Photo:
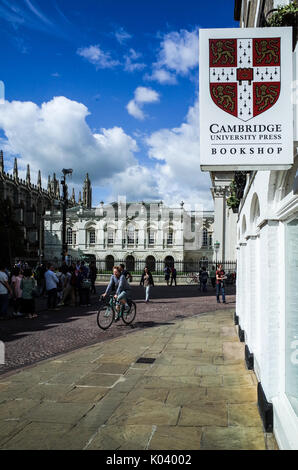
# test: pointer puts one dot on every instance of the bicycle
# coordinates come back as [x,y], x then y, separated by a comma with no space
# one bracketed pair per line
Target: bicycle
[192,279]
[107,312]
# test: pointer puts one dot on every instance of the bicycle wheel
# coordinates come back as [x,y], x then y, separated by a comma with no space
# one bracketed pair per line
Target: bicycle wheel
[129,316]
[105,316]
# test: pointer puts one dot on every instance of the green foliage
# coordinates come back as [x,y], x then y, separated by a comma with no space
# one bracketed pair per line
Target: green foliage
[285,15]
[232,201]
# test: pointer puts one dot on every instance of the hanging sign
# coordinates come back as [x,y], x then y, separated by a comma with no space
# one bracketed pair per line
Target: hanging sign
[246,120]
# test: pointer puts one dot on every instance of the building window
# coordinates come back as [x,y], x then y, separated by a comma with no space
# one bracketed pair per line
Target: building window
[205,237]
[110,237]
[151,237]
[130,235]
[69,236]
[170,237]
[92,237]
[74,238]
[210,240]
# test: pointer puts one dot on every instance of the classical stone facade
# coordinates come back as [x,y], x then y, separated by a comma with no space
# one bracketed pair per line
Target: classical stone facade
[267,260]
[30,202]
[122,231]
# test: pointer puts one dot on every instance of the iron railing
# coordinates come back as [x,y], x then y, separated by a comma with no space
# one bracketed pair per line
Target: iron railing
[136,266]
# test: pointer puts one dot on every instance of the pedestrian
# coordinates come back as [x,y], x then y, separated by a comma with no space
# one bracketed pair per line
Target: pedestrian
[200,279]
[16,291]
[83,285]
[5,290]
[212,276]
[204,279]
[92,276]
[147,282]
[28,287]
[220,285]
[173,275]
[125,273]
[167,272]
[52,283]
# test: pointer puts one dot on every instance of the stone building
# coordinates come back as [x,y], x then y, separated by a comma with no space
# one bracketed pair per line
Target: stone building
[267,260]
[30,202]
[132,232]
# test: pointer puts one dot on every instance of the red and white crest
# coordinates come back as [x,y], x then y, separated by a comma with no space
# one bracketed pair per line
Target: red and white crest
[244,75]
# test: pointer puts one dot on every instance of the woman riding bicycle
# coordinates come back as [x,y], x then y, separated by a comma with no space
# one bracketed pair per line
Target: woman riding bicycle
[119,284]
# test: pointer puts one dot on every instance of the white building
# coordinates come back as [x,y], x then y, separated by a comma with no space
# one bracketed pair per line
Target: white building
[132,231]
[267,260]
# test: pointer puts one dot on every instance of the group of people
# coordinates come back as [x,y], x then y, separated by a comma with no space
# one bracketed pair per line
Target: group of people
[69,284]
[170,275]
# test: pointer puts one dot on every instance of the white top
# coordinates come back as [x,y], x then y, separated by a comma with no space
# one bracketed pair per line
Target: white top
[51,280]
[3,278]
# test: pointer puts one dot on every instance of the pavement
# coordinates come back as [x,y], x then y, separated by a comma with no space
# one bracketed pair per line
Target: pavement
[194,393]
[56,332]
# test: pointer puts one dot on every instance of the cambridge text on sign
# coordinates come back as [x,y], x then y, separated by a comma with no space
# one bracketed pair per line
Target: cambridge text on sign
[245,99]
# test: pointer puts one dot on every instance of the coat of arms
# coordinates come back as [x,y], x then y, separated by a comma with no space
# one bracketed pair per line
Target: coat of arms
[244,75]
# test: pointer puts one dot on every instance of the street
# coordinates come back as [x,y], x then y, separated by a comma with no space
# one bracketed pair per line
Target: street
[55,332]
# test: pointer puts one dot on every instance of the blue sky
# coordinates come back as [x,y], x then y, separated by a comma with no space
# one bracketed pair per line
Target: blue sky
[110,88]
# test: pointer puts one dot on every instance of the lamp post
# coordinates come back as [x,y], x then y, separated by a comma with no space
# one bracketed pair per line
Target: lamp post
[216,248]
[64,207]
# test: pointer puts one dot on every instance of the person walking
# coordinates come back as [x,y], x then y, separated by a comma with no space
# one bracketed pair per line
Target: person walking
[52,283]
[212,276]
[147,282]
[5,290]
[92,276]
[17,291]
[167,272]
[28,286]
[204,279]
[173,276]
[220,286]
[83,284]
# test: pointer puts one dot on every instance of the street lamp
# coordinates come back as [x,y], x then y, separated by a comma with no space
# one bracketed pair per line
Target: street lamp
[216,248]
[64,207]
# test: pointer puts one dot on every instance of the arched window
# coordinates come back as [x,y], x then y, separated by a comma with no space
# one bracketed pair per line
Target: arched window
[169,261]
[130,263]
[110,262]
[150,263]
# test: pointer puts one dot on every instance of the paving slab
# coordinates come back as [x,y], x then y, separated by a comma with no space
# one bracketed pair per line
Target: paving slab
[198,394]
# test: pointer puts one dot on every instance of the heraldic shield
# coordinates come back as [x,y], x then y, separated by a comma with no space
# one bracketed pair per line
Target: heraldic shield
[244,75]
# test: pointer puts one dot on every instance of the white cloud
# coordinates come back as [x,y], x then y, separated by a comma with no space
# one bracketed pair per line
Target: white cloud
[142,95]
[122,36]
[178,54]
[137,183]
[55,135]
[178,172]
[130,65]
[162,76]
[97,57]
